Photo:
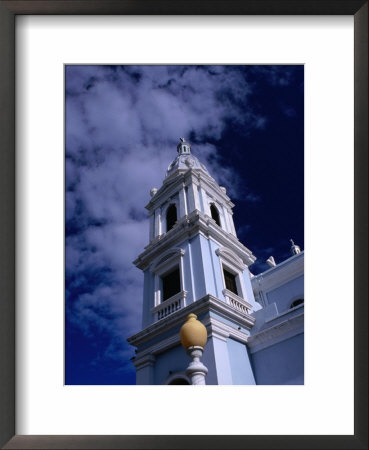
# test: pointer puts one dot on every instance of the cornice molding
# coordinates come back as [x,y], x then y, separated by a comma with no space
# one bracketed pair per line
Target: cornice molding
[207,303]
[278,275]
[172,184]
[277,333]
[186,228]
[212,186]
[165,258]
[228,312]
[146,360]
[165,191]
[155,349]
[215,328]
[229,256]
[224,331]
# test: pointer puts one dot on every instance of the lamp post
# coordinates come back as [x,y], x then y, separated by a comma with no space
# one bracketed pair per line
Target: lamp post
[193,337]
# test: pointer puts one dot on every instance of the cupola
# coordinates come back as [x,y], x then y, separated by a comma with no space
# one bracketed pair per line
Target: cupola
[185,161]
[183,148]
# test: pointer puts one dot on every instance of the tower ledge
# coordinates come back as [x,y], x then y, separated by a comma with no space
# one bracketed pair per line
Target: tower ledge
[185,177]
[206,304]
[187,227]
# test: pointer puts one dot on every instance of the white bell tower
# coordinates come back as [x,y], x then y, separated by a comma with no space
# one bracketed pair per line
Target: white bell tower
[193,263]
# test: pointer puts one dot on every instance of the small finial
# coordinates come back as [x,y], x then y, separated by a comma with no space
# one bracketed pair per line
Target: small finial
[271,261]
[295,249]
[183,148]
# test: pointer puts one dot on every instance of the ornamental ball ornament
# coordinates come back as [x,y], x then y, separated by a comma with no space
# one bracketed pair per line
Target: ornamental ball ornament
[193,333]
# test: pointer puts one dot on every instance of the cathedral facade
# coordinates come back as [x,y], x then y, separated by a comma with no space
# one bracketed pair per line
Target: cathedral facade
[194,263]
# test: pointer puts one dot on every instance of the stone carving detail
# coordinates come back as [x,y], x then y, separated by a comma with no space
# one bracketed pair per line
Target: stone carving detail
[189,162]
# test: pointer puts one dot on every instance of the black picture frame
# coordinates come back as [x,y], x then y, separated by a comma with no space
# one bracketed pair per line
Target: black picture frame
[8,11]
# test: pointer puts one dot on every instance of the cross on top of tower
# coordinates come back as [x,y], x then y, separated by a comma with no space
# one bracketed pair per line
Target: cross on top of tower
[183,148]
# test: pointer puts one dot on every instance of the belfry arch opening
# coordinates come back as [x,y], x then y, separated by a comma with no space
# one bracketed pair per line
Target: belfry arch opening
[171,216]
[215,214]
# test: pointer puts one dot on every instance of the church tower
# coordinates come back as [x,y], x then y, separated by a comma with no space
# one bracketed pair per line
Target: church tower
[193,263]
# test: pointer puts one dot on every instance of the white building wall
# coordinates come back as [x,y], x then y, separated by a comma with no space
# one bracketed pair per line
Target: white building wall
[182,202]
[193,201]
[157,221]
[249,292]
[208,266]
[145,371]
[197,268]
[222,362]
[219,285]
[187,273]
[284,295]
[204,201]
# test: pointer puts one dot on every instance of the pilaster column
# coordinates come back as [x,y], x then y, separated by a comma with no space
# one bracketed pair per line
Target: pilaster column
[232,224]
[227,224]
[204,201]
[157,221]
[193,198]
[144,369]
[182,202]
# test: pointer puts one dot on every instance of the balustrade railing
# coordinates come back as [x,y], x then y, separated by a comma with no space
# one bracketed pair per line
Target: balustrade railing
[170,306]
[237,302]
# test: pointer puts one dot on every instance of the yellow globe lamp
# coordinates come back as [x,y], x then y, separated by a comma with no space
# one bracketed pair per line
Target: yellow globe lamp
[193,333]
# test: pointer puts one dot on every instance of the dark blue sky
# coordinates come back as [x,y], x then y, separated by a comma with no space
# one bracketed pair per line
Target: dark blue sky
[245,123]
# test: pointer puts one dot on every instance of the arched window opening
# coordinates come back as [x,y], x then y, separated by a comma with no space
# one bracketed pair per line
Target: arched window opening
[171,284]
[214,214]
[179,381]
[298,302]
[171,217]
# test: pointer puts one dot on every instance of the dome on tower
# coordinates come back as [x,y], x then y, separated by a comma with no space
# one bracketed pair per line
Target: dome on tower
[185,160]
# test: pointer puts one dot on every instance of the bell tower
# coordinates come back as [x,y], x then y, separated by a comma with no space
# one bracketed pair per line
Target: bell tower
[193,263]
